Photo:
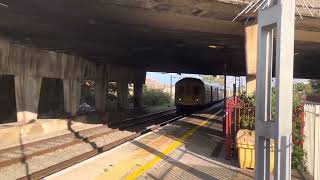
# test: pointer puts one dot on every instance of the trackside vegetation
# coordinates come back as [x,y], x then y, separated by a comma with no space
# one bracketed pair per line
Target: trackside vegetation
[298,154]
[155,97]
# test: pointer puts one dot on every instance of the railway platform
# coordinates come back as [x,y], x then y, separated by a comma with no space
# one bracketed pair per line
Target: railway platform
[190,148]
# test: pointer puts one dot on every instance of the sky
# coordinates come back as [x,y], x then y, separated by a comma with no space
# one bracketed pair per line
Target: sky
[165,78]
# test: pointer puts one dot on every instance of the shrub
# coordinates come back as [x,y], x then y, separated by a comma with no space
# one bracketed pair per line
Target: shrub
[298,154]
[155,97]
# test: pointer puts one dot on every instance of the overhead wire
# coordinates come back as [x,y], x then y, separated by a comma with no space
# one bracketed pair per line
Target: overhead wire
[256,5]
[5,5]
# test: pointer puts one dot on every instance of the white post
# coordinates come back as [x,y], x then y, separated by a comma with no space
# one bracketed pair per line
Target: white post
[275,20]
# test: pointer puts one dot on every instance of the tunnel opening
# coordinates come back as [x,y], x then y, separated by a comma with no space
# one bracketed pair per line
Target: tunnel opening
[7,99]
[51,103]
[158,91]
[131,96]
[87,99]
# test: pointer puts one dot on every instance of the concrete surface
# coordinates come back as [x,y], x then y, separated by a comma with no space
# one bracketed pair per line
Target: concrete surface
[14,134]
[190,148]
[191,157]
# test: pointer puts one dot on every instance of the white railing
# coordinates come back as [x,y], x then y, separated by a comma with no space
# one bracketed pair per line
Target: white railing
[312,138]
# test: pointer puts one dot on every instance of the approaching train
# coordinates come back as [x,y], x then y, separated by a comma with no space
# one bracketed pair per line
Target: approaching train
[192,94]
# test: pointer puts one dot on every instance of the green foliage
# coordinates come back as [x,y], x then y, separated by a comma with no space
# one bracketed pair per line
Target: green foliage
[311,88]
[212,79]
[155,97]
[247,104]
[298,158]
[304,89]
[298,154]
[248,122]
[249,100]
[315,84]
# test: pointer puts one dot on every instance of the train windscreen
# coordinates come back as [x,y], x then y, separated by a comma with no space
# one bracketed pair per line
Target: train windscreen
[196,90]
[180,90]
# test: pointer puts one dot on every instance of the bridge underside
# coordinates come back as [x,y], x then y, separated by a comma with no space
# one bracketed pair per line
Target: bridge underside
[118,40]
[171,36]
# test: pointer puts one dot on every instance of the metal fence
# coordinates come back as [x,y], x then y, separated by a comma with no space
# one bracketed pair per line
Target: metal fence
[312,138]
[239,115]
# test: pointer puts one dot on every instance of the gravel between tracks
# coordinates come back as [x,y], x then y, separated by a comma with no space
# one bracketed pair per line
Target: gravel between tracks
[38,137]
[40,162]
[52,143]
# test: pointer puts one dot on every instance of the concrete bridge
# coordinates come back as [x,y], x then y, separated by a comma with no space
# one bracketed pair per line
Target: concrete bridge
[119,41]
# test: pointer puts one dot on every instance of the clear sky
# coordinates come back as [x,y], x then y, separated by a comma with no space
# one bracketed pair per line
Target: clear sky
[165,77]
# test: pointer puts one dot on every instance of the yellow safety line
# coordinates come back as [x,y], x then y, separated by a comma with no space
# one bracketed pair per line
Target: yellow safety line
[165,152]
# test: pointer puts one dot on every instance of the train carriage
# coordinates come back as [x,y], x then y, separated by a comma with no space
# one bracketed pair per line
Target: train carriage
[193,94]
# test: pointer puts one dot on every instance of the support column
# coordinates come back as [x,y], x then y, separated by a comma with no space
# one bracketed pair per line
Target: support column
[224,99]
[277,20]
[100,95]
[137,88]
[251,85]
[123,94]
[27,92]
[251,40]
[72,93]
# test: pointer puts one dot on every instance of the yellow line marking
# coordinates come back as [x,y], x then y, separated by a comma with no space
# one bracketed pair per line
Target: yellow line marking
[165,152]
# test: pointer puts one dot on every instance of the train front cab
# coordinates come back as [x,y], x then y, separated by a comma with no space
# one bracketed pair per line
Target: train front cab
[189,95]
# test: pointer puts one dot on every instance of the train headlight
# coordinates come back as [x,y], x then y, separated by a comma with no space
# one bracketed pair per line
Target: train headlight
[197,100]
[180,99]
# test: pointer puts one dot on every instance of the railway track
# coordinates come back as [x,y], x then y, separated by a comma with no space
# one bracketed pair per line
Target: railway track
[135,126]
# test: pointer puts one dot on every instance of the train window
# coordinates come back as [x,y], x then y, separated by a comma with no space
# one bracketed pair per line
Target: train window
[188,90]
[196,90]
[180,90]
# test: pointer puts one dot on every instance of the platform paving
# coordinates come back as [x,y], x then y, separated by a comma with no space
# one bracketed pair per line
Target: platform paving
[191,148]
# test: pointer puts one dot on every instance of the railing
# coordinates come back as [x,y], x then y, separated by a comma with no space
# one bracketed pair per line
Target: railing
[229,106]
[239,115]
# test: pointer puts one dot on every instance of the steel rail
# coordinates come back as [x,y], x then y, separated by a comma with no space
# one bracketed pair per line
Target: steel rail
[65,164]
[77,159]
[124,124]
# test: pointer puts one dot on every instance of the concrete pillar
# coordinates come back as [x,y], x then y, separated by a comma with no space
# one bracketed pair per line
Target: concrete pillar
[251,41]
[122,91]
[251,85]
[276,22]
[100,95]
[137,88]
[72,93]
[27,93]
